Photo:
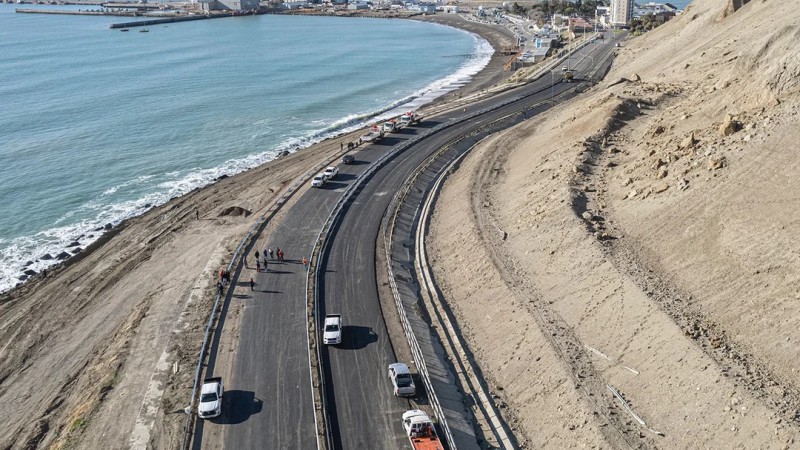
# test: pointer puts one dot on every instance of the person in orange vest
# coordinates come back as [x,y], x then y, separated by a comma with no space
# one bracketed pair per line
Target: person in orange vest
[305,262]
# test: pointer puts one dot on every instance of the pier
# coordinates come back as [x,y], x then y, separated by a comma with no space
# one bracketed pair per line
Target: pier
[183,18]
[156,17]
[76,13]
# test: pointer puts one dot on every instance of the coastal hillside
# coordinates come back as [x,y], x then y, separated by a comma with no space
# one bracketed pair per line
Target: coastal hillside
[650,245]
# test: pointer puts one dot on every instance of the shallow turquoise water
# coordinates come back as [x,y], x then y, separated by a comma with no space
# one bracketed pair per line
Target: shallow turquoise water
[99,125]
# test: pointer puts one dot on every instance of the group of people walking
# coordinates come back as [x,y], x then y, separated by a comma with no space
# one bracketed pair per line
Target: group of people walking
[263,259]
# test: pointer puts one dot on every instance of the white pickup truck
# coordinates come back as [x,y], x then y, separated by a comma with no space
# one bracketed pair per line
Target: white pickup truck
[402,382]
[319,181]
[332,333]
[210,398]
[330,172]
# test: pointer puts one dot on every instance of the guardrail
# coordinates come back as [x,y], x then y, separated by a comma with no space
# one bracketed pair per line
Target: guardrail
[235,261]
[416,351]
[318,251]
[313,275]
[394,207]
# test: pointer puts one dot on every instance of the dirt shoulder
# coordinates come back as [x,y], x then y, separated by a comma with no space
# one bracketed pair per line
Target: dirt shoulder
[94,343]
[647,248]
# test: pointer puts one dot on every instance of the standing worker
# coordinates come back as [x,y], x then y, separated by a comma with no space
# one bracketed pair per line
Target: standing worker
[305,262]
[252,283]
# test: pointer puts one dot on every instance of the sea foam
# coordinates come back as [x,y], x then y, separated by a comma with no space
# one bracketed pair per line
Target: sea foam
[91,219]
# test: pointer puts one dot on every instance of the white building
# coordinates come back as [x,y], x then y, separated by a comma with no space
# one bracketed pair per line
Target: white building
[602,15]
[621,12]
[229,5]
[427,8]
[295,4]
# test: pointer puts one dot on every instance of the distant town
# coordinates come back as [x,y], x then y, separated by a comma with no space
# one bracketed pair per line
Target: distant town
[539,26]
[576,15]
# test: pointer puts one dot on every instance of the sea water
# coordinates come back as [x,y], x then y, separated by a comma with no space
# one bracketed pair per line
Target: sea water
[98,125]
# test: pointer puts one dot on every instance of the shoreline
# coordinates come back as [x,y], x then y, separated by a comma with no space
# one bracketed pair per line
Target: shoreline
[29,269]
[91,335]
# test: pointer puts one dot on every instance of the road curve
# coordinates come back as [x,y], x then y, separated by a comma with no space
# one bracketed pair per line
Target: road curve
[268,401]
[364,414]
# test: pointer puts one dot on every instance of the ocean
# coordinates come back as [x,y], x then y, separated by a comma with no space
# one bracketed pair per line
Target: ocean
[680,4]
[99,125]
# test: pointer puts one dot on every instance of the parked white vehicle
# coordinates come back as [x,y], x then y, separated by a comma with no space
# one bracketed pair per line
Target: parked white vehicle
[319,181]
[332,333]
[330,172]
[402,381]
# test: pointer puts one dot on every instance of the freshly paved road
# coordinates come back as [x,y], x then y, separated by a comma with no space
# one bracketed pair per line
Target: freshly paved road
[268,400]
[364,413]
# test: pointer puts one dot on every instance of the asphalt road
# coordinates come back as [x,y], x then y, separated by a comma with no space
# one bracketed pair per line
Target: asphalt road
[268,400]
[364,413]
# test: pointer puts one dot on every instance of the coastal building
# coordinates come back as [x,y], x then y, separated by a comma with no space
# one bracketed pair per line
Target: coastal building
[546,42]
[579,25]
[621,12]
[450,9]
[425,8]
[229,5]
[656,9]
[353,6]
[294,4]
[602,16]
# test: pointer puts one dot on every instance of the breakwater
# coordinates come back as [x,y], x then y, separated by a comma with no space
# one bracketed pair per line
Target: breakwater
[143,23]
[75,13]
[156,18]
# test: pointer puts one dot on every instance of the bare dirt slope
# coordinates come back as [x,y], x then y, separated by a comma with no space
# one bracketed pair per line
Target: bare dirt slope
[650,245]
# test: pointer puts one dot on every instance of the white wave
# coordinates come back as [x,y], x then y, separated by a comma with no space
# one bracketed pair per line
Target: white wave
[14,254]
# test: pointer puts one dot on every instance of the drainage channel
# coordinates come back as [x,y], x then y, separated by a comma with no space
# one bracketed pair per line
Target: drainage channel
[461,394]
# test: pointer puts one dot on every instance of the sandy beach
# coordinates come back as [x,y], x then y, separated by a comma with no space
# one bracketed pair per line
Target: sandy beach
[101,333]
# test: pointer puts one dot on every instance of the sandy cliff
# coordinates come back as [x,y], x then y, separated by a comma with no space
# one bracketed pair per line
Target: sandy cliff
[650,245]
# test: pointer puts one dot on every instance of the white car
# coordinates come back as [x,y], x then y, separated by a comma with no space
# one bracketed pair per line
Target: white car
[402,381]
[330,172]
[319,181]
[332,333]
[210,398]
